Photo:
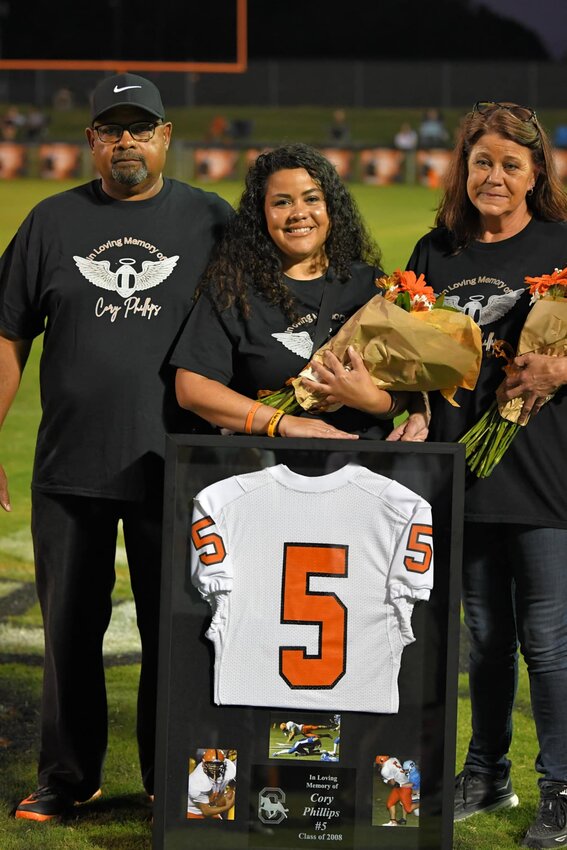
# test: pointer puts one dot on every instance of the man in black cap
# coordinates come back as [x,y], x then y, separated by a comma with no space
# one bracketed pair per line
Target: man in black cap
[108,270]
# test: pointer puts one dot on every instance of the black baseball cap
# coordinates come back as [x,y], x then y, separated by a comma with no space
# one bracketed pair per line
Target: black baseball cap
[127,90]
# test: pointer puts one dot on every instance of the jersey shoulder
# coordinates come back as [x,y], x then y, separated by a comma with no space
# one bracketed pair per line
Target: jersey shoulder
[398,498]
[219,495]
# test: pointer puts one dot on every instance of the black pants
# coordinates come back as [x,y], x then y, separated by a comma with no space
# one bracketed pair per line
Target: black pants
[75,543]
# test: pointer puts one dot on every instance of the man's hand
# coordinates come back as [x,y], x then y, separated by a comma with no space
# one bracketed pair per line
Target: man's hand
[4,495]
[13,356]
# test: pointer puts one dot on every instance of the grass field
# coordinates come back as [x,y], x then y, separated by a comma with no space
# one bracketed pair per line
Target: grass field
[121,820]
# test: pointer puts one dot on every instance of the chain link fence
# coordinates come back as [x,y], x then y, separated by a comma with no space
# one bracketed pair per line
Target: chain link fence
[323,83]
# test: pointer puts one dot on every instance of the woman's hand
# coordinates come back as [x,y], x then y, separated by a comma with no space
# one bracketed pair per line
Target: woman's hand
[534,377]
[301,426]
[228,409]
[413,429]
[350,385]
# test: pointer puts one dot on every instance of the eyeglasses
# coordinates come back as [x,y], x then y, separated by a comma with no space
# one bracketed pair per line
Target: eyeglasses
[141,131]
[523,113]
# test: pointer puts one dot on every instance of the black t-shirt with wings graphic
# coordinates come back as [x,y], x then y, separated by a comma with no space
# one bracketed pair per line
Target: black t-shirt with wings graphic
[111,283]
[264,350]
[486,280]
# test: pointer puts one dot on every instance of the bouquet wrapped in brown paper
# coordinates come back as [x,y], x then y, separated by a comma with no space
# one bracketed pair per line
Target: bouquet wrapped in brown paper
[544,332]
[407,340]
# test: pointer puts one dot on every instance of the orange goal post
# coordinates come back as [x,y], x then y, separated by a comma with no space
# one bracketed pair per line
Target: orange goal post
[239,65]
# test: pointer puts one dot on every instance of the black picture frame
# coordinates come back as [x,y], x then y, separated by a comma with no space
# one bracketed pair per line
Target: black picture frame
[351,804]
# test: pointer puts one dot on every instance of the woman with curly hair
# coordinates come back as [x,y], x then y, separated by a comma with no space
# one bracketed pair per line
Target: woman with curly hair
[295,263]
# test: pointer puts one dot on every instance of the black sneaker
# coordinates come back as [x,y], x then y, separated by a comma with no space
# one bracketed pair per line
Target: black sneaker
[481,792]
[47,803]
[550,826]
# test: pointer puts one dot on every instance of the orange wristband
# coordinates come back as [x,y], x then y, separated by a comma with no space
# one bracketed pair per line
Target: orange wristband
[250,417]
[273,423]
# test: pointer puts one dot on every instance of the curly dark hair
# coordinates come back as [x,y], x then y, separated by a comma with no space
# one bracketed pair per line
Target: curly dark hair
[547,202]
[247,257]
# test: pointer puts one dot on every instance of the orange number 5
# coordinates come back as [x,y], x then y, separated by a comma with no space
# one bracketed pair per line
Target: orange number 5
[218,553]
[301,606]
[422,547]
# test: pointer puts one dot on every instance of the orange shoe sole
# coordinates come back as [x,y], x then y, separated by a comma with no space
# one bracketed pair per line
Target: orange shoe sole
[22,814]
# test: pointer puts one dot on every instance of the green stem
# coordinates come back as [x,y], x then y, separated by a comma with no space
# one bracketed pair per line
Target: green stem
[283,399]
[487,441]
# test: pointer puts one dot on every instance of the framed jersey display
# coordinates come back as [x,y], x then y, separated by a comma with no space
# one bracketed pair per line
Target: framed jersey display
[309,644]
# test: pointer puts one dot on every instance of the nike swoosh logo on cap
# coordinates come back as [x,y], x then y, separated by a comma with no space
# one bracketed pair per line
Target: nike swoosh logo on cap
[117,90]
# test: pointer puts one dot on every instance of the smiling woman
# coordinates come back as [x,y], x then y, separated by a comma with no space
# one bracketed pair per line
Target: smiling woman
[504,217]
[298,222]
[295,264]
[501,176]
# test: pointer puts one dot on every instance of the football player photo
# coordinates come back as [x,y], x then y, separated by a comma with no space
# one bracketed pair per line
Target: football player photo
[211,789]
[396,792]
[313,737]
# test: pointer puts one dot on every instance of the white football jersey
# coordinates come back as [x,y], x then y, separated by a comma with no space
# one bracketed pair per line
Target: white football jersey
[312,583]
[392,769]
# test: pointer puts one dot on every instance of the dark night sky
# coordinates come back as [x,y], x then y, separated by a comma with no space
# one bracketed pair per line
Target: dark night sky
[366,29]
[548,18]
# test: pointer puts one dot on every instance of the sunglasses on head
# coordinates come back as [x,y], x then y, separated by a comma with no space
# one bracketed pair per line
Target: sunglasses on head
[522,113]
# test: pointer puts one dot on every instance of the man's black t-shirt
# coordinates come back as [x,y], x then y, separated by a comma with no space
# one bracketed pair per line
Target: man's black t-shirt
[486,280]
[265,349]
[111,282]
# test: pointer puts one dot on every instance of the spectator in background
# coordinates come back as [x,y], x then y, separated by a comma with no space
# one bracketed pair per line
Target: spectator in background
[406,138]
[11,124]
[63,100]
[218,130]
[406,141]
[36,124]
[432,131]
[339,130]
[560,136]
[241,128]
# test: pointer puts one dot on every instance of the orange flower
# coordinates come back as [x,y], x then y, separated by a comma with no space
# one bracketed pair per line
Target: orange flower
[389,287]
[539,286]
[406,291]
[408,282]
[391,294]
[419,306]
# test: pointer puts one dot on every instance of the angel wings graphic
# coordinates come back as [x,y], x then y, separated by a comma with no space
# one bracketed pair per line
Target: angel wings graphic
[483,314]
[125,280]
[300,343]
